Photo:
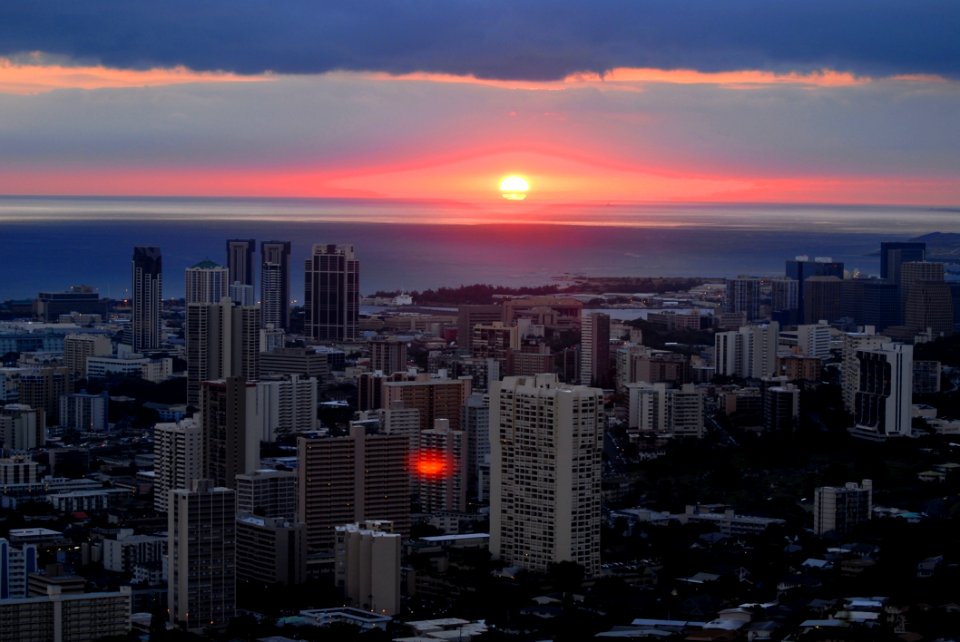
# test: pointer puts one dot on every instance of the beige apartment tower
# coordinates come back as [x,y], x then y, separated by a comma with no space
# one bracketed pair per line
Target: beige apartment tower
[178,459]
[368,565]
[545,463]
[342,480]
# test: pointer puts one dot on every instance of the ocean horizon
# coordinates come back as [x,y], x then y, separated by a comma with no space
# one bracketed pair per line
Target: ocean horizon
[50,243]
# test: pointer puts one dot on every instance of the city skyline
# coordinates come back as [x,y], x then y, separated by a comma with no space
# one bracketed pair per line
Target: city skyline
[745,102]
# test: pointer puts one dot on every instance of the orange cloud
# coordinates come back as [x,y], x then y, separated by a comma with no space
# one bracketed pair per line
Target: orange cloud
[36,77]
[626,78]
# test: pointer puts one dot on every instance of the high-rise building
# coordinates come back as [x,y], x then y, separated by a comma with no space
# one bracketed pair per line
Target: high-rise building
[147,290]
[84,411]
[77,347]
[231,432]
[470,315]
[822,298]
[667,412]
[781,408]
[750,352]
[743,295]
[240,261]
[837,510]
[388,356]
[16,563]
[286,404]
[883,402]
[893,254]
[853,342]
[434,398]
[927,298]
[223,340]
[595,350]
[267,493]
[271,550]
[784,300]
[60,616]
[42,388]
[440,469]
[332,293]
[351,479]
[178,459]
[275,283]
[22,427]
[205,282]
[802,268]
[475,421]
[367,567]
[201,554]
[545,452]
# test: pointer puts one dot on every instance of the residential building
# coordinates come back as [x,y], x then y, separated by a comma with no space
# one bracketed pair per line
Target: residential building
[231,430]
[669,412]
[84,411]
[368,565]
[177,459]
[267,493]
[201,554]
[545,440]
[595,350]
[62,617]
[837,510]
[440,469]
[205,282]
[77,347]
[271,551]
[223,340]
[883,402]
[434,398]
[16,563]
[240,261]
[286,404]
[750,352]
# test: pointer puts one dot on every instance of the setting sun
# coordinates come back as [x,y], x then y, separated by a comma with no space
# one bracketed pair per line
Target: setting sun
[514,188]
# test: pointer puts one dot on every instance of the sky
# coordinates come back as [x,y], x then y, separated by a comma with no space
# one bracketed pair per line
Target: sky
[601,101]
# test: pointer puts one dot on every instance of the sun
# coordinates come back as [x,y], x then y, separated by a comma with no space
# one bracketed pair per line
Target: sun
[514,188]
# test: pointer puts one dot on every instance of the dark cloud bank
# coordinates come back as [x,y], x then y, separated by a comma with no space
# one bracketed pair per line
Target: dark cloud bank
[513,39]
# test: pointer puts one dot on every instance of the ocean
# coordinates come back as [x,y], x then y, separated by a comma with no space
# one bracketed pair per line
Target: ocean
[50,243]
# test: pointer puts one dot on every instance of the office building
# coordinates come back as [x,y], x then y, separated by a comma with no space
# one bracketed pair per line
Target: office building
[16,564]
[802,268]
[267,493]
[201,556]
[58,616]
[528,360]
[434,398]
[440,469]
[469,316]
[388,356]
[545,463]
[80,299]
[17,470]
[286,404]
[231,431]
[302,361]
[271,551]
[240,261]
[275,283]
[349,479]
[206,282]
[367,567]
[595,350]
[749,353]
[743,295]
[494,341]
[883,401]
[784,300]
[77,347]
[822,297]
[836,510]
[894,254]
[147,291]
[223,340]
[177,459]
[808,340]
[332,293]
[927,298]
[926,377]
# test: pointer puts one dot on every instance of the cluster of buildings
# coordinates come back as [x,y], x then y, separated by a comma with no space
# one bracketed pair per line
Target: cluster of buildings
[495,414]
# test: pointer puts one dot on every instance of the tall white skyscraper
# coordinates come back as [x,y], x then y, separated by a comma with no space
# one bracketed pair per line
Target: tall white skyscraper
[750,352]
[205,282]
[332,293]
[545,441]
[147,291]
